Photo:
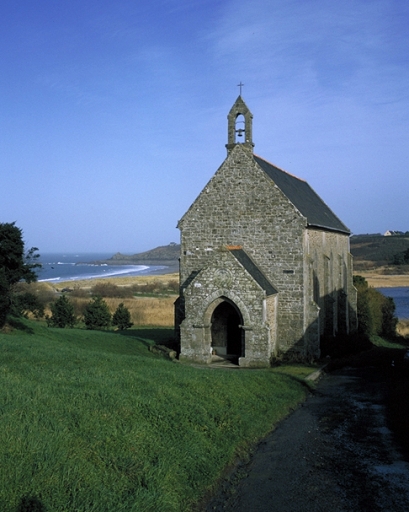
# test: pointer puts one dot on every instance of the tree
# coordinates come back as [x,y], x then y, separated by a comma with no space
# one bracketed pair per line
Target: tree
[376,313]
[389,320]
[97,314]
[122,317]
[15,265]
[402,258]
[62,313]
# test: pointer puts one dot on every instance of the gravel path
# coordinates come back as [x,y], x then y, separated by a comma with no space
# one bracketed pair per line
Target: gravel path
[333,453]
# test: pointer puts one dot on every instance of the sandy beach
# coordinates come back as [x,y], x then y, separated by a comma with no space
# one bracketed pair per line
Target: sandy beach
[119,281]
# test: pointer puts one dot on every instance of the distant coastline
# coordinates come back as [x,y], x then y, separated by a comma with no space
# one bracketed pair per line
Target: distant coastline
[63,267]
[167,255]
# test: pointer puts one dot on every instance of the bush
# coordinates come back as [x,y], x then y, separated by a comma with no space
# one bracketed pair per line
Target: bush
[156,287]
[79,292]
[111,290]
[97,314]
[122,317]
[375,311]
[402,258]
[62,313]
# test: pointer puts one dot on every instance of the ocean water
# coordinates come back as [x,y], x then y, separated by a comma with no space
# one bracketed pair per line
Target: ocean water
[71,267]
[400,295]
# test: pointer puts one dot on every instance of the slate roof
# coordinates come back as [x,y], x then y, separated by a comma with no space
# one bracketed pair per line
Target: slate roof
[242,257]
[303,197]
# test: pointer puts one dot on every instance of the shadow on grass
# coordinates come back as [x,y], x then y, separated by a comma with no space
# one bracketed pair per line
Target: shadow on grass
[158,335]
[19,324]
[30,504]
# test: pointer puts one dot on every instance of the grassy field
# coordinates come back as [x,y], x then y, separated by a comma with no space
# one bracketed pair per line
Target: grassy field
[378,280]
[93,421]
[149,299]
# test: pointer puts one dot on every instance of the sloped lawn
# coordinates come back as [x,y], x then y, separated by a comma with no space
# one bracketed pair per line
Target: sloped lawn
[92,421]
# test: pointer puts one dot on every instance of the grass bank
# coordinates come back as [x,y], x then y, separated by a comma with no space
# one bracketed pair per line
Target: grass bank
[92,421]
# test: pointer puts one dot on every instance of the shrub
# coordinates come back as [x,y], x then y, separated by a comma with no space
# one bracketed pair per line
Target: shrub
[79,292]
[97,314]
[375,311]
[156,287]
[122,317]
[401,258]
[62,313]
[111,290]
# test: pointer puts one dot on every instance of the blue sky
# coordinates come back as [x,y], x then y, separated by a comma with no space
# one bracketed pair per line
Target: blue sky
[113,113]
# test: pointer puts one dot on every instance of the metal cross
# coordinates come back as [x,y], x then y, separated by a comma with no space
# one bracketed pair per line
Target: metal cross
[240,85]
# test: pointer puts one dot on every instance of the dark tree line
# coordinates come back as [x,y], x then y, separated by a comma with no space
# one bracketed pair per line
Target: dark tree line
[15,265]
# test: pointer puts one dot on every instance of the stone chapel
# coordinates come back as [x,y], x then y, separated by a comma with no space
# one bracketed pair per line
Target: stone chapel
[265,267]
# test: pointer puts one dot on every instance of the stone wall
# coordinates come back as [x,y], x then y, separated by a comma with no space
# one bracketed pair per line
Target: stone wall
[330,280]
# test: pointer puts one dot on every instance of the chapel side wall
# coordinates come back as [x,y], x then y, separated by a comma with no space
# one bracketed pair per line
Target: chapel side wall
[241,206]
[330,278]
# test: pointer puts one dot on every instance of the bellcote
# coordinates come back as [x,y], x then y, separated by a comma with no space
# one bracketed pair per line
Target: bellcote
[239,125]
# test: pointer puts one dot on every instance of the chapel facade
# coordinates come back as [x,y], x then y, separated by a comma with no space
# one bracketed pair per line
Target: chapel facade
[265,266]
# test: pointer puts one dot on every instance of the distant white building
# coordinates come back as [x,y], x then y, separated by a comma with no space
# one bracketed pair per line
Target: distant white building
[393,233]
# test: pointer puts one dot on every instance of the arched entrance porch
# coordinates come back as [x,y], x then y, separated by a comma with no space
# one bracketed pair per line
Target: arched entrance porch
[227,335]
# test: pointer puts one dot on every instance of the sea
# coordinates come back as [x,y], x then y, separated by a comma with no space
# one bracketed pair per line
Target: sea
[400,296]
[58,267]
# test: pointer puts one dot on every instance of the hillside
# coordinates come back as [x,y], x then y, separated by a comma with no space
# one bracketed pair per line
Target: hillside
[162,255]
[95,421]
[372,251]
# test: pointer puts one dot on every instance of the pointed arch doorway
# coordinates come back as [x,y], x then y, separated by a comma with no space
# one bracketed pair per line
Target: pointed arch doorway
[226,332]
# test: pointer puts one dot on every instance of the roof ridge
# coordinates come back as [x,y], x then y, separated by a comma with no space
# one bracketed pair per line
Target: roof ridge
[280,169]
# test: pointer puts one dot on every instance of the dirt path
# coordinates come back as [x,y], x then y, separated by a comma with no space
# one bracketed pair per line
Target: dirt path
[333,453]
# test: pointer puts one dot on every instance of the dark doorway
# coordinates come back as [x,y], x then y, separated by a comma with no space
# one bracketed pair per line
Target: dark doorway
[227,336]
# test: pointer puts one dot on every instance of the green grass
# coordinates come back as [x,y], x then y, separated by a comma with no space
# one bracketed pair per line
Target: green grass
[92,421]
[297,370]
[384,343]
